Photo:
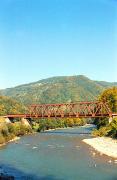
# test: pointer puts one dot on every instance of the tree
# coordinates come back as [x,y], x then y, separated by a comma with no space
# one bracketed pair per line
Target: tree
[10,106]
[113,127]
[104,128]
[110,96]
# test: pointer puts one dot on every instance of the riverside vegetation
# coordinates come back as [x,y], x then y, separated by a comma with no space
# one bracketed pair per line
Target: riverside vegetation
[46,124]
[11,130]
[103,126]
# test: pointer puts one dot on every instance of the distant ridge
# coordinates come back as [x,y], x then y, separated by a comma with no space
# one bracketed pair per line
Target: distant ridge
[58,89]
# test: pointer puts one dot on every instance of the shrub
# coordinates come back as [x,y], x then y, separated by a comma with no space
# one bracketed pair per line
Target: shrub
[79,121]
[9,131]
[2,139]
[9,137]
[103,131]
[4,129]
[113,128]
[101,122]
[20,129]
[35,126]
[11,128]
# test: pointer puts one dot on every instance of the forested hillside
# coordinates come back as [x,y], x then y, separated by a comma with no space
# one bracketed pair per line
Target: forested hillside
[57,90]
[10,106]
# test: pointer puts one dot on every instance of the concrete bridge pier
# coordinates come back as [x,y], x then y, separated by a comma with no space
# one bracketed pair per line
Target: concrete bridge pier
[25,121]
[110,119]
[7,120]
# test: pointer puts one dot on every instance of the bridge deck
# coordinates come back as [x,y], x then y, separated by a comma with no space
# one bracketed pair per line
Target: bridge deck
[58,116]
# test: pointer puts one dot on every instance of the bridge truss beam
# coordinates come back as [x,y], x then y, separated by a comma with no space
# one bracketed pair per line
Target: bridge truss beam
[79,109]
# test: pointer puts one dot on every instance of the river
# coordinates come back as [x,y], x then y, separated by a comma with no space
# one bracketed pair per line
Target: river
[56,155]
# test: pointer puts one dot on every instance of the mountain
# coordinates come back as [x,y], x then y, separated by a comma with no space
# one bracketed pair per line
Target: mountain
[58,90]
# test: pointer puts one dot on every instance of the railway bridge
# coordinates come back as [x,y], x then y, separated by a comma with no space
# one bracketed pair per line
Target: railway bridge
[72,110]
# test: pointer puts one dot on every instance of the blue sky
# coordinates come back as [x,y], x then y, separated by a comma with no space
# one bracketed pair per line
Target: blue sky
[45,38]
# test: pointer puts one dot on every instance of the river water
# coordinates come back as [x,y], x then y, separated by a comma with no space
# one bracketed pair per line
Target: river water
[56,155]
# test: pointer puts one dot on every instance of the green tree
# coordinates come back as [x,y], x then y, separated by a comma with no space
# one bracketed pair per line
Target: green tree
[110,96]
[10,106]
[113,128]
[103,126]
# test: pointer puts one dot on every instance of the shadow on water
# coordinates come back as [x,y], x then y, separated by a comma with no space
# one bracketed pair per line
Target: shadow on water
[64,132]
[20,175]
[86,131]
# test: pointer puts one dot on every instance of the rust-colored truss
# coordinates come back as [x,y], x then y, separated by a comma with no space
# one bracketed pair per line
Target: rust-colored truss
[79,109]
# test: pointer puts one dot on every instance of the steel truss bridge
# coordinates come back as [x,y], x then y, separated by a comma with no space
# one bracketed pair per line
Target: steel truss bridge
[65,110]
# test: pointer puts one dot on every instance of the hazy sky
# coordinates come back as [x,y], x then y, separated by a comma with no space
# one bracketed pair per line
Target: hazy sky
[44,38]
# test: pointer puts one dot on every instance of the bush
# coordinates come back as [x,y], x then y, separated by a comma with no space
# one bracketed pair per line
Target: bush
[20,129]
[35,126]
[69,122]
[79,121]
[45,124]
[9,131]
[11,128]
[2,139]
[103,131]
[4,130]
[101,122]
[113,128]
[9,137]
[108,130]
[110,96]
[103,126]
[5,134]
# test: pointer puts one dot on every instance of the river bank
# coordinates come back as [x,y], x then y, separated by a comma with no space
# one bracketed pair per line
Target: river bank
[14,139]
[104,145]
[86,125]
[58,129]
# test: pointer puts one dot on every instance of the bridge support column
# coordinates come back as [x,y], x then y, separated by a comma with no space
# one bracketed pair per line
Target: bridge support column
[25,122]
[110,119]
[7,120]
